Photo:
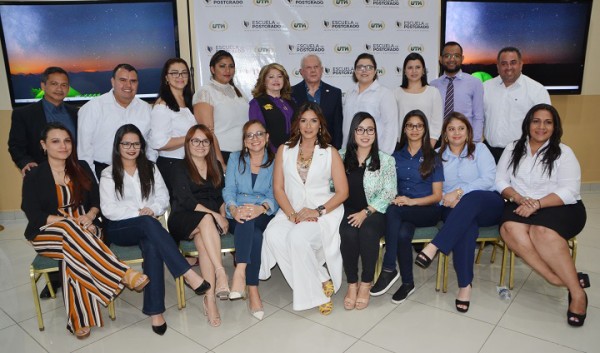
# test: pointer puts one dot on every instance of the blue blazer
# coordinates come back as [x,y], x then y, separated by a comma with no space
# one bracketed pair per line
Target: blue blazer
[238,186]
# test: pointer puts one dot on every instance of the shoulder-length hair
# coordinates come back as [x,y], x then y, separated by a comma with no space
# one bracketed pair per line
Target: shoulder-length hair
[144,166]
[429,155]
[409,57]
[469,142]
[214,60]
[367,56]
[260,88]
[80,180]
[214,172]
[164,91]
[551,152]
[244,152]
[351,159]
[323,137]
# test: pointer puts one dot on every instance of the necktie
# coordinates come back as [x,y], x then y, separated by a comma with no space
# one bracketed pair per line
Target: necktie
[449,102]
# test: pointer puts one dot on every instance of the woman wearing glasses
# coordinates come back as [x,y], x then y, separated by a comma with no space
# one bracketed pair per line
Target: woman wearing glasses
[420,175]
[272,104]
[132,194]
[414,93]
[221,106]
[171,117]
[248,195]
[198,212]
[372,175]
[371,97]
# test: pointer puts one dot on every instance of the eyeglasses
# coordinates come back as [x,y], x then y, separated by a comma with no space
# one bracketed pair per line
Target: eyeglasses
[362,131]
[197,142]
[417,127]
[451,56]
[183,74]
[128,145]
[258,134]
[364,68]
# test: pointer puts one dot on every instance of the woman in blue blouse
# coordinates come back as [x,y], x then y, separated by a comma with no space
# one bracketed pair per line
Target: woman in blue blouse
[420,175]
[248,195]
[372,175]
[469,202]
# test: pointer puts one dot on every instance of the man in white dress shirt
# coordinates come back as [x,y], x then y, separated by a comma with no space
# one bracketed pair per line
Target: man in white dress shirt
[100,118]
[506,100]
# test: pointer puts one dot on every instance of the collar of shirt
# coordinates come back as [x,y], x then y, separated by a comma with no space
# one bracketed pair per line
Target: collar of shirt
[458,76]
[55,109]
[372,87]
[132,104]
[517,83]
[528,148]
[317,97]
[404,153]
[448,153]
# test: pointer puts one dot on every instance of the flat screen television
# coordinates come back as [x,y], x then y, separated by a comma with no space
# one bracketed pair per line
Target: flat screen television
[87,39]
[552,36]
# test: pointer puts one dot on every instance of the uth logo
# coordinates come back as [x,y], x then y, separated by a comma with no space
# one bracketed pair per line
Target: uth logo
[416,3]
[341,3]
[416,48]
[218,26]
[300,25]
[262,2]
[342,48]
[376,25]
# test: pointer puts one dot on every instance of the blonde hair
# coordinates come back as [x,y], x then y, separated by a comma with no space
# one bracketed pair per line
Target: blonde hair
[260,88]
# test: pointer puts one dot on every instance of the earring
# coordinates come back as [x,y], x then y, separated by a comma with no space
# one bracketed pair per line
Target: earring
[246,149]
[45,152]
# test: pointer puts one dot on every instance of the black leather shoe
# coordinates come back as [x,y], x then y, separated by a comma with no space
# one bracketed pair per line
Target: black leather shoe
[201,289]
[384,282]
[160,330]
[45,294]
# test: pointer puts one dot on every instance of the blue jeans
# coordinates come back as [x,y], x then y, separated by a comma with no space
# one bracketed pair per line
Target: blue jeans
[401,222]
[157,247]
[248,238]
[461,229]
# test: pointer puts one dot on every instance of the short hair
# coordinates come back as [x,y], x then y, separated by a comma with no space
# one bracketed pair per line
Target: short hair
[310,56]
[127,67]
[53,70]
[451,43]
[364,56]
[509,50]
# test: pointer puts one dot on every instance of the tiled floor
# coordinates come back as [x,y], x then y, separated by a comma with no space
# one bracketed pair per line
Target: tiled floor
[533,321]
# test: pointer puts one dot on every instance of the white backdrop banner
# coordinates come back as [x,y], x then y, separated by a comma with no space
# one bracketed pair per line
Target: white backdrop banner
[259,32]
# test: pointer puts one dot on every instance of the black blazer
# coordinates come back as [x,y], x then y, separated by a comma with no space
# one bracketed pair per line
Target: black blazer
[26,127]
[187,194]
[39,198]
[331,104]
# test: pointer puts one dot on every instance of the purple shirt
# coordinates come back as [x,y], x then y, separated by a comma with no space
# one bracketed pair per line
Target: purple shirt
[468,99]
[255,113]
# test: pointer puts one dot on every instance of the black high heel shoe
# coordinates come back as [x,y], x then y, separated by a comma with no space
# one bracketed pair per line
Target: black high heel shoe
[423,261]
[580,317]
[160,330]
[584,279]
[460,303]
[201,289]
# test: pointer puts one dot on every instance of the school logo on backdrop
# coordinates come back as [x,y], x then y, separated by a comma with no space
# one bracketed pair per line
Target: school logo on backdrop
[224,3]
[403,25]
[416,3]
[376,25]
[299,25]
[380,71]
[264,50]
[342,3]
[341,25]
[382,3]
[338,71]
[342,49]
[416,48]
[306,48]
[383,48]
[306,2]
[218,26]
[262,2]
[267,25]
[233,49]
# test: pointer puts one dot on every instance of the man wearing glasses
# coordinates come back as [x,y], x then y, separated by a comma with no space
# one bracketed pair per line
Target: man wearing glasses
[460,91]
[100,118]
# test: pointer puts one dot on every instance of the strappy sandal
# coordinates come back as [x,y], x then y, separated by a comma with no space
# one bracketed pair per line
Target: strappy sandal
[83,333]
[222,291]
[423,261]
[215,321]
[328,288]
[349,302]
[580,317]
[584,279]
[135,280]
[327,308]
[362,300]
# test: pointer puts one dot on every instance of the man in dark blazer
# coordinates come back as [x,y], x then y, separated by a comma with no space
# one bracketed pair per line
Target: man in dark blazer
[29,122]
[328,97]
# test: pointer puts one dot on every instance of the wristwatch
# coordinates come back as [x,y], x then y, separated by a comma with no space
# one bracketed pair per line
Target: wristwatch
[368,212]
[321,209]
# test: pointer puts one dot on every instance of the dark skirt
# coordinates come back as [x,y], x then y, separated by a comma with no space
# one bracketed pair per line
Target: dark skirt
[182,224]
[566,220]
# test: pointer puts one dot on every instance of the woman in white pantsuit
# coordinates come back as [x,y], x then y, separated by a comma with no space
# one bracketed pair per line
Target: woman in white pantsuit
[304,235]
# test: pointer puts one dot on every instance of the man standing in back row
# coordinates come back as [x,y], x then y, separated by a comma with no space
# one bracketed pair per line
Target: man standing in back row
[506,100]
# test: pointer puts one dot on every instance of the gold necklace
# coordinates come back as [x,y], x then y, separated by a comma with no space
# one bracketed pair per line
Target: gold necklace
[302,162]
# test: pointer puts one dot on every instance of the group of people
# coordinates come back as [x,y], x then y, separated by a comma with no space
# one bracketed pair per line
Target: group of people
[269,172]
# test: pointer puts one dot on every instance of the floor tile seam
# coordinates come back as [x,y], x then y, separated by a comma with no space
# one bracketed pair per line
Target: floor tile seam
[293,312]
[33,338]
[369,343]
[488,337]
[540,338]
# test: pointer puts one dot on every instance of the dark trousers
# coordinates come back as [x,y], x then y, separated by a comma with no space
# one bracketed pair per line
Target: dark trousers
[401,222]
[165,167]
[248,238]
[158,247]
[361,242]
[496,151]
[98,168]
[461,229]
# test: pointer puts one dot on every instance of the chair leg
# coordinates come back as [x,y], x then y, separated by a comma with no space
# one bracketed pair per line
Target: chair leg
[439,274]
[379,263]
[503,266]
[493,258]
[511,275]
[49,285]
[111,310]
[178,291]
[445,285]
[481,246]
[36,299]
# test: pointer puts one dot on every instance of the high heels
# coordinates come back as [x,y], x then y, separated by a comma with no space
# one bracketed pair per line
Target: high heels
[222,290]
[350,299]
[215,321]
[257,313]
[462,306]
[423,261]
[135,280]
[83,333]
[237,294]
[584,279]
[160,329]
[201,289]
[580,317]
[362,300]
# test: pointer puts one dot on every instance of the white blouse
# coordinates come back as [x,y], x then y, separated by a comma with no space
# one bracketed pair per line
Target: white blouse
[117,208]
[428,101]
[165,124]
[532,181]
[230,113]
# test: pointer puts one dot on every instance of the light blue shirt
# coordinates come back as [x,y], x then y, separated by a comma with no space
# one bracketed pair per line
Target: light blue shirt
[477,172]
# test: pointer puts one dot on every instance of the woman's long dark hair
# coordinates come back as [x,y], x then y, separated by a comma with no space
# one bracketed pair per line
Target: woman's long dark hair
[409,57]
[144,166]
[244,152]
[77,175]
[469,142]
[214,173]
[429,155]
[164,91]
[351,159]
[323,137]
[551,152]
[214,60]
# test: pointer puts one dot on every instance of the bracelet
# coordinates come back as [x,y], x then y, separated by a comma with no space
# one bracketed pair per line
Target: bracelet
[293,214]
[539,203]
[266,208]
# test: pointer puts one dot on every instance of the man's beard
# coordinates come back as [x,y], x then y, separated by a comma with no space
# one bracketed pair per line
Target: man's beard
[451,71]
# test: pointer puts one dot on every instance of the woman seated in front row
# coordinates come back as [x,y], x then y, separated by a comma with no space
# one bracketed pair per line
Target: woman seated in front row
[198,212]
[372,177]
[541,179]
[132,194]
[420,175]
[248,195]
[304,235]
[61,202]
[469,202]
